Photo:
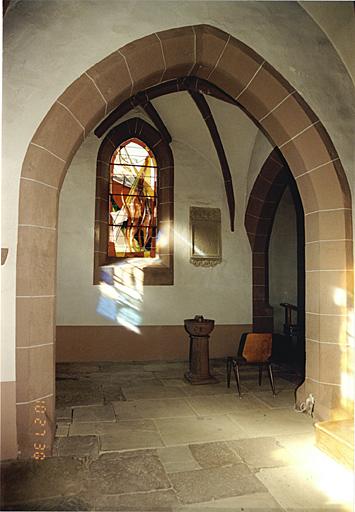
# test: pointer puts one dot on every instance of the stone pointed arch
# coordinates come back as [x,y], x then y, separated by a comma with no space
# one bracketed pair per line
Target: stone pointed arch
[205,52]
[262,204]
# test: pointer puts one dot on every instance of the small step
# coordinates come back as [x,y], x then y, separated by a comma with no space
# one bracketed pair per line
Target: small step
[336,439]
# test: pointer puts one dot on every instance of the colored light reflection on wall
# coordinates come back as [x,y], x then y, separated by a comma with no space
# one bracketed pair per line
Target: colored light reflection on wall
[121,292]
[121,296]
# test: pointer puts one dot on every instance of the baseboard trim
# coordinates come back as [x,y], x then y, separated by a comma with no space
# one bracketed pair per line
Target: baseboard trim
[84,343]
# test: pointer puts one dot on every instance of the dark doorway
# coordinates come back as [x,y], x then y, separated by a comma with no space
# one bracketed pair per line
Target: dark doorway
[274,182]
[288,298]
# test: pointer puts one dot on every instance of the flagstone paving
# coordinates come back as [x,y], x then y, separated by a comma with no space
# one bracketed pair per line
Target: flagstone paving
[138,437]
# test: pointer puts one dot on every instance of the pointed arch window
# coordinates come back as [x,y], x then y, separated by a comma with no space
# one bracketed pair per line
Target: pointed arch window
[133,201]
[134,212]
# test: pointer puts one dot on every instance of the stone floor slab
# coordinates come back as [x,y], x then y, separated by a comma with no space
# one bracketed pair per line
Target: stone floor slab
[93,414]
[76,369]
[157,501]
[261,452]
[158,408]
[112,392]
[111,428]
[124,425]
[177,458]
[117,378]
[257,502]
[64,415]
[175,382]
[152,392]
[22,481]
[128,435]
[62,430]
[82,429]
[166,366]
[130,440]
[300,447]
[329,507]
[77,446]
[129,472]
[323,474]
[209,390]
[121,367]
[214,455]
[62,503]
[272,422]
[214,483]
[173,373]
[251,382]
[223,404]
[77,392]
[298,489]
[283,400]
[177,431]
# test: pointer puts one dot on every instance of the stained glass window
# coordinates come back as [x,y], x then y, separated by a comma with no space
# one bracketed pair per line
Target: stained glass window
[133,201]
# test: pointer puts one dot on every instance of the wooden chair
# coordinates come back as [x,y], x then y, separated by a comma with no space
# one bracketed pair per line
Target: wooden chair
[254,349]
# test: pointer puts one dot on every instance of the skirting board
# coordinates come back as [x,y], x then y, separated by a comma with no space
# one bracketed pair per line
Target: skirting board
[76,343]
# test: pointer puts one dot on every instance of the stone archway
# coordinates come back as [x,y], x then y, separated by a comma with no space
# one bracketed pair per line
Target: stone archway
[259,218]
[209,53]
[264,200]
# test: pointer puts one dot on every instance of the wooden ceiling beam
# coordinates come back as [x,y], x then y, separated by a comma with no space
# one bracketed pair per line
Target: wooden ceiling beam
[169,87]
[151,111]
[206,113]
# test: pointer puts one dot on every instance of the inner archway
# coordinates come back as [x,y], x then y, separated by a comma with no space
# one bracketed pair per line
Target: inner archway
[286,261]
[208,53]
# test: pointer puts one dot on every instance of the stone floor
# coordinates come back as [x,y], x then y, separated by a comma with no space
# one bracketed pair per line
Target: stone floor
[137,437]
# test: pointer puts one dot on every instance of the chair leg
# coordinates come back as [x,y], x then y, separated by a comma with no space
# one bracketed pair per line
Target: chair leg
[271,377]
[260,374]
[236,374]
[229,370]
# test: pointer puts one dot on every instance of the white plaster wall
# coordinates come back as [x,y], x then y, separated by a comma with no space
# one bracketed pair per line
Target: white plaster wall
[48,44]
[337,20]
[222,292]
[283,259]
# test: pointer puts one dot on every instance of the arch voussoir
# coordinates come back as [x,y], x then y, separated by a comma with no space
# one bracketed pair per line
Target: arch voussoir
[236,69]
[145,62]
[210,46]
[265,94]
[288,120]
[112,78]
[78,96]
[59,133]
[309,150]
[179,51]
[44,166]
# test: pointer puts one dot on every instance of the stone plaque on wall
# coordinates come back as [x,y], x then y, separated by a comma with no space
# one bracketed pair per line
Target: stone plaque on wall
[205,232]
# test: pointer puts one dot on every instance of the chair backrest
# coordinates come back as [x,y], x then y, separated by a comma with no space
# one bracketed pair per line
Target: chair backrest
[257,347]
